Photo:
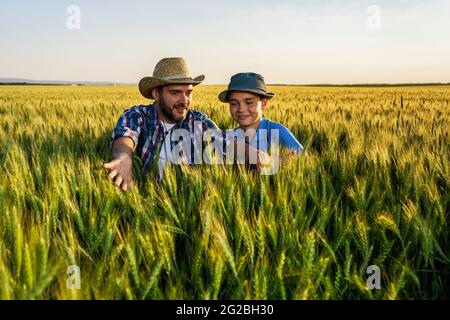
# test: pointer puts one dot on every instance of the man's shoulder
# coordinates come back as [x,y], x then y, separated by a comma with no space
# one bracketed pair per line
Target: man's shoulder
[198,115]
[141,108]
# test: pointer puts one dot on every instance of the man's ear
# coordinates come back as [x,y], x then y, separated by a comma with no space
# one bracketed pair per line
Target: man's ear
[155,94]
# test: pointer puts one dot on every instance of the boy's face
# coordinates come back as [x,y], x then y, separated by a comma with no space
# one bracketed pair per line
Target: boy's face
[246,108]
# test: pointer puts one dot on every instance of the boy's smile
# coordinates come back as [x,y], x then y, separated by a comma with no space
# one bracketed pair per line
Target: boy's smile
[246,108]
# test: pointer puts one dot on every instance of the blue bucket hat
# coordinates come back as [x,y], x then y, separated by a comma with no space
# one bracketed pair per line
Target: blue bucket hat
[247,82]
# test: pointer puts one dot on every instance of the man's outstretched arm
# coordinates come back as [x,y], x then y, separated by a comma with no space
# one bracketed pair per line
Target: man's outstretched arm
[121,165]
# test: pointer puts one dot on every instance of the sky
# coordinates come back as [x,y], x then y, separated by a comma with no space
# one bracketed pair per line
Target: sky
[287,41]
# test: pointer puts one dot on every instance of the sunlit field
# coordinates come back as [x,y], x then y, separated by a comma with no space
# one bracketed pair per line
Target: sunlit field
[373,188]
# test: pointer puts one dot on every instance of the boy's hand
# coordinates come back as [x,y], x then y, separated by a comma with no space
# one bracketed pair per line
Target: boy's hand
[264,159]
[267,165]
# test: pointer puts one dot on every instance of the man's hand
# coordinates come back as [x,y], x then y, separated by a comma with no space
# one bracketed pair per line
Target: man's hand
[121,166]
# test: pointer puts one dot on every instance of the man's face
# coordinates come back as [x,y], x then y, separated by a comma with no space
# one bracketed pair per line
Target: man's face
[173,101]
[246,108]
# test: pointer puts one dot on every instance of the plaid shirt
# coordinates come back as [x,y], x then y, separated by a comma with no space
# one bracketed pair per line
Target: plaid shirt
[141,123]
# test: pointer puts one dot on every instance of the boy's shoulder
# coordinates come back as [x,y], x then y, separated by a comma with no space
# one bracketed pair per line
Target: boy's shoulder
[269,124]
[287,138]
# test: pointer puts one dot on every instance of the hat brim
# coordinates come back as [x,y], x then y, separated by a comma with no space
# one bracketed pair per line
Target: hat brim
[223,96]
[147,84]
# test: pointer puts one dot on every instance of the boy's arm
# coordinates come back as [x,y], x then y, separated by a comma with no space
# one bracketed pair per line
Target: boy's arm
[227,142]
[289,141]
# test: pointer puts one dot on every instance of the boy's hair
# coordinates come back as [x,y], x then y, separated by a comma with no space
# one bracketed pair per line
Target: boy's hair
[260,97]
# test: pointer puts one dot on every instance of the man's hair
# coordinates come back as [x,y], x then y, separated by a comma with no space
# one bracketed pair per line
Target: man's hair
[159,90]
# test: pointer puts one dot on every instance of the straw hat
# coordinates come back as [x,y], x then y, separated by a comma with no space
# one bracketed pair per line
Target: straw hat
[168,71]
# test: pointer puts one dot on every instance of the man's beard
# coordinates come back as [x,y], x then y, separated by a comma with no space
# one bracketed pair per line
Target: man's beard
[167,110]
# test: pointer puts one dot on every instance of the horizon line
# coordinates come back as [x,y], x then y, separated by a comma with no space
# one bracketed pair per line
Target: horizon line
[23,81]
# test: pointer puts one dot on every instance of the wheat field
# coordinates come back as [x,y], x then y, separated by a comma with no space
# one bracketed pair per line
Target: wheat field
[372,189]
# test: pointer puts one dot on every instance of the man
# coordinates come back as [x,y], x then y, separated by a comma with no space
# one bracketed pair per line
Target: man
[147,130]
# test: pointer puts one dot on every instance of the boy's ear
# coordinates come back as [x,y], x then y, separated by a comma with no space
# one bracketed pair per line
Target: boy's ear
[263,103]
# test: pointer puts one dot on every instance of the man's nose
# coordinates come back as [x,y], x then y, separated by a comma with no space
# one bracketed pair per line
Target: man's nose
[185,99]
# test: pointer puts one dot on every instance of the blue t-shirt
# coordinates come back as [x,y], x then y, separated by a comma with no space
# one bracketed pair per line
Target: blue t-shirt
[270,132]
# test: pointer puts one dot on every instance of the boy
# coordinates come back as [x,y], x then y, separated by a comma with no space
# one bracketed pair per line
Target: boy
[247,96]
